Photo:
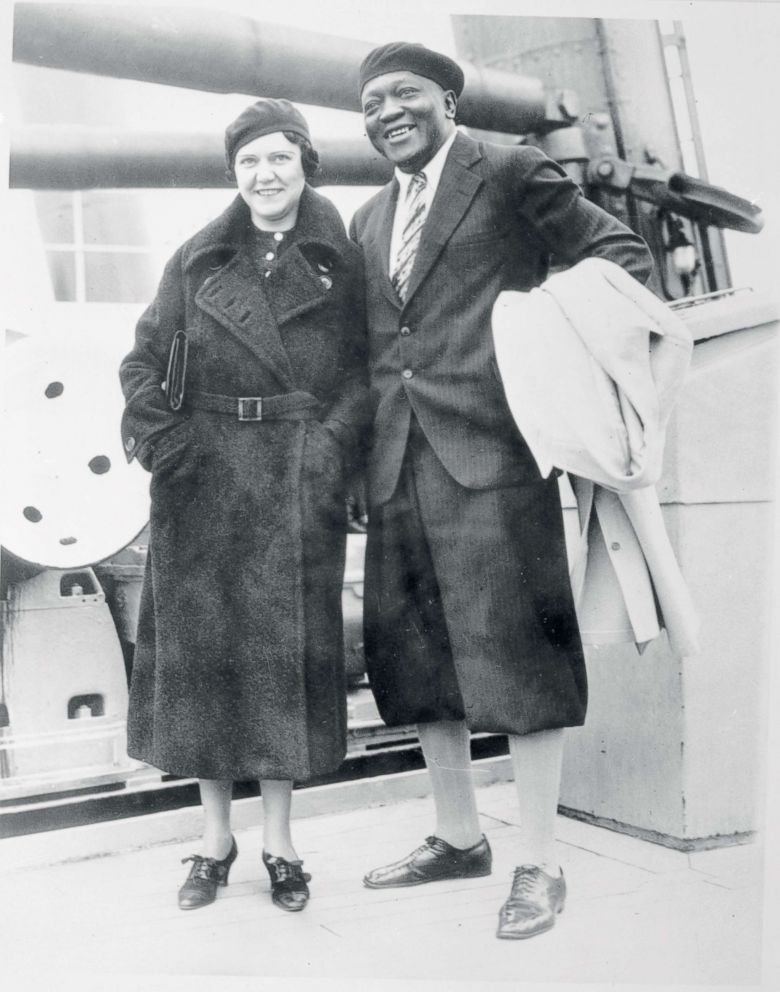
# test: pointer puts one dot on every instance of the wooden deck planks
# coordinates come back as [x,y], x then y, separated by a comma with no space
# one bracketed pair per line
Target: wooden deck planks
[635,913]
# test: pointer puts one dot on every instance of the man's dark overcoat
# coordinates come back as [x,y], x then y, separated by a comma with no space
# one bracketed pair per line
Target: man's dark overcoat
[238,669]
[498,217]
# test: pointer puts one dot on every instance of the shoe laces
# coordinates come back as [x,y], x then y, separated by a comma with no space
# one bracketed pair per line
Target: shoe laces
[288,871]
[285,870]
[203,868]
[526,881]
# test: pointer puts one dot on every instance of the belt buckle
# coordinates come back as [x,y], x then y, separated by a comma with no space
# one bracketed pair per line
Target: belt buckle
[250,407]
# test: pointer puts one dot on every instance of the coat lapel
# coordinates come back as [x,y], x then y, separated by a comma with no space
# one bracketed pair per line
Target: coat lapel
[298,288]
[457,188]
[377,244]
[234,297]
[303,283]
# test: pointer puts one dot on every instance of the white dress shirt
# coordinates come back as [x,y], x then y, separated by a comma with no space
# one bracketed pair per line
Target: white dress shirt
[432,173]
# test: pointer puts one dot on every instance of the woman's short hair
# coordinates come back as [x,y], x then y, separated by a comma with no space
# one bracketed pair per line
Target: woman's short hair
[310,160]
[309,157]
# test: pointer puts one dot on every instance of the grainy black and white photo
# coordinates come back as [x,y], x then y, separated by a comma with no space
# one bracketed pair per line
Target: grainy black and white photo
[387,525]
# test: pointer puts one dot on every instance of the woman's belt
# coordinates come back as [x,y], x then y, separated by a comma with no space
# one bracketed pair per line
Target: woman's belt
[288,406]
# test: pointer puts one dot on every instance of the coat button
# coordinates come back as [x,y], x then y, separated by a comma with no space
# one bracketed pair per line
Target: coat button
[405,331]
[129,444]
[326,281]
[269,256]
[616,545]
[407,374]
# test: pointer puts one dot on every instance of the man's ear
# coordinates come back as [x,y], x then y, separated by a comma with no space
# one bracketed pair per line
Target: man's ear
[450,104]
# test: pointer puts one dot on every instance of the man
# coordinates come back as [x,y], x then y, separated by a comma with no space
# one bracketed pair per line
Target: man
[469,620]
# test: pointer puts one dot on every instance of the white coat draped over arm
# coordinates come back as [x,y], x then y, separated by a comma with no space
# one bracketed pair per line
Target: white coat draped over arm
[592,364]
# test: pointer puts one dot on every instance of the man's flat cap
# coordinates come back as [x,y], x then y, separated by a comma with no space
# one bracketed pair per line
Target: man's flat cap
[403,56]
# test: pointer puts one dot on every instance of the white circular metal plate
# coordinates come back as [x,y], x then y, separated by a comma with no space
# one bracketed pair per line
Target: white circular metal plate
[69,497]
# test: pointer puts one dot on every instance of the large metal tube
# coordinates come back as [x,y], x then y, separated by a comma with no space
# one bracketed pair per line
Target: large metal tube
[78,158]
[225,53]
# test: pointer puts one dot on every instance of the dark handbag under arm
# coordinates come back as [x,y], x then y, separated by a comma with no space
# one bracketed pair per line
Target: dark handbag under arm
[177,371]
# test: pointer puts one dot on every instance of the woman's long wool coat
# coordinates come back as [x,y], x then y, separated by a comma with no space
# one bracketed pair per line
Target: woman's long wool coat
[238,670]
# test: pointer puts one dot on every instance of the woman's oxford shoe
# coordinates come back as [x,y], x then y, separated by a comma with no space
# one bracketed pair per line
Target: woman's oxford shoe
[288,883]
[205,877]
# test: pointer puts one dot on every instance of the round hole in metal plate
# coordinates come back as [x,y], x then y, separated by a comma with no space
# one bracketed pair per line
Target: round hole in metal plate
[100,464]
[33,514]
[54,389]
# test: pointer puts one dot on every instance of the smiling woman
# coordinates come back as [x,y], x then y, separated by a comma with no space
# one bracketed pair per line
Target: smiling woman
[270,178]
[239,665]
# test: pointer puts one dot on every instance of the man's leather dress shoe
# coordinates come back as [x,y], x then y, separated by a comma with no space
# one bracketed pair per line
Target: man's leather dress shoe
[289,890]
[534,902]
[205,877]
[431,862]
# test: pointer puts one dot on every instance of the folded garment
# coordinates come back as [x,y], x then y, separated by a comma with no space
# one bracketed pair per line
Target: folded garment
[592,364]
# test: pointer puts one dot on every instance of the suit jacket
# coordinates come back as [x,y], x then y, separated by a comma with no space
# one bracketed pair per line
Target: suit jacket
[498,216]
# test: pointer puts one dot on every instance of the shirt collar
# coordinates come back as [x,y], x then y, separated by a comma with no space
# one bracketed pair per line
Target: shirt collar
[432,170]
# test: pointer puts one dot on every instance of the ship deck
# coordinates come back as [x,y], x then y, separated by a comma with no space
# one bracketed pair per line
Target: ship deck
[99,900]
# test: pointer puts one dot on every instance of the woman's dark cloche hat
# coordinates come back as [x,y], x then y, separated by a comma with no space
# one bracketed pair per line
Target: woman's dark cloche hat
[403,56]
[264,117]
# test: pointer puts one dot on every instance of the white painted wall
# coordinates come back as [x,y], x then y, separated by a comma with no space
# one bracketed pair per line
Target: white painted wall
[733,54]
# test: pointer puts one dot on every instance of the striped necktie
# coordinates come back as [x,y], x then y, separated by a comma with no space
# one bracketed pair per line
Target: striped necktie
[410,235]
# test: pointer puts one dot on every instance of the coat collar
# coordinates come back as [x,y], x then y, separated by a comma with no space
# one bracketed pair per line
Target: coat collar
[318,223]
[235,296]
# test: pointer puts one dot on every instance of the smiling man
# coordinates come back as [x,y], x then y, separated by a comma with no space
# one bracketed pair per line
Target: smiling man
[469,619]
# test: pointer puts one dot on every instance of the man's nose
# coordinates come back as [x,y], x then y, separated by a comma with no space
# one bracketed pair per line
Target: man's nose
[390,111]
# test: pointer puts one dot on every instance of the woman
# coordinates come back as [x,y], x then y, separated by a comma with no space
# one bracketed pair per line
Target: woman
[238,670]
